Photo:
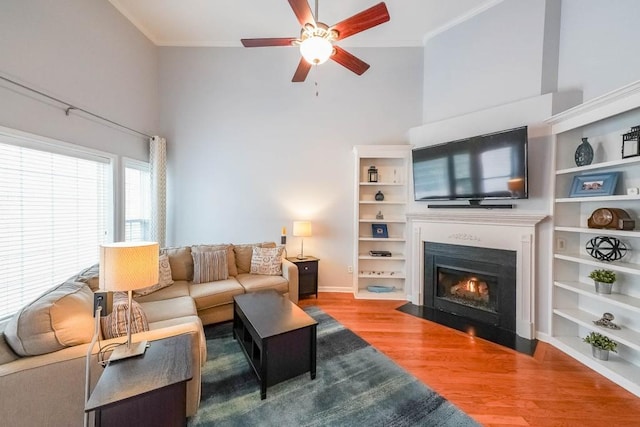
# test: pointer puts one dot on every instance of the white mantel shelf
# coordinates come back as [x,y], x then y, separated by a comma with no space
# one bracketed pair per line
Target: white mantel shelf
[488,217]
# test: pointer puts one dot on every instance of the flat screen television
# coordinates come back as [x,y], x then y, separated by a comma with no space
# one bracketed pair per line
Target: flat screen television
[492,166]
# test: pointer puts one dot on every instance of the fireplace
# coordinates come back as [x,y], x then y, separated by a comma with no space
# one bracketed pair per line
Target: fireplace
[471,282]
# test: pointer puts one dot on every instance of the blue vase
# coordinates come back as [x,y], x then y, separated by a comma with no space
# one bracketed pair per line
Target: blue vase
[584,153]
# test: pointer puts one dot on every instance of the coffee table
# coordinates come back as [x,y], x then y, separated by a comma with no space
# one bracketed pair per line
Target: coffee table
[277,337]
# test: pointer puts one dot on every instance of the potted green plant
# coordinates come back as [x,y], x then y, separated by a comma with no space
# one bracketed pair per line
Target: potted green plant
[604,280]
[600,345]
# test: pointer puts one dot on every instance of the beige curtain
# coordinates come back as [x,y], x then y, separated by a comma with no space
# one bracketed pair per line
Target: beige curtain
[158,172]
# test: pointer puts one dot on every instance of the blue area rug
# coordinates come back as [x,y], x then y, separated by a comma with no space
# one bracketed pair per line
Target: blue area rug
[355,386]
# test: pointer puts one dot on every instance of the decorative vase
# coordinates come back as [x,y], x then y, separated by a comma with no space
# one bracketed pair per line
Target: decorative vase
[599,353]
[584,153]
[379,196]
[603,288]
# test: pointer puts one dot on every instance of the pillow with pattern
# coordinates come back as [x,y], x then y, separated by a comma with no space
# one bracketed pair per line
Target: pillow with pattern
[115,324]
[164,277]
[267,261]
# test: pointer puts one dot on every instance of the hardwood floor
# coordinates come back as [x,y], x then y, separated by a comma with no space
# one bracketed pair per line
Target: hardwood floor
[495,385]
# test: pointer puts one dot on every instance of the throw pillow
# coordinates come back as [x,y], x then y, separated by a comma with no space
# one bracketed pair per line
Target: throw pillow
[180,261]
[61,317]
[164,277]
[267,261]
[243,254]
[231,259]
[115,324]
[210,266]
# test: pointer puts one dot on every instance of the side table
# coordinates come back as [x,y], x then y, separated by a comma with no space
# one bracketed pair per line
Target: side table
[307,275]
[148,390]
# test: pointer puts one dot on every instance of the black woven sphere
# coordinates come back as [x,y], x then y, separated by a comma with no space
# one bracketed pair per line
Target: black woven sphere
[605,248]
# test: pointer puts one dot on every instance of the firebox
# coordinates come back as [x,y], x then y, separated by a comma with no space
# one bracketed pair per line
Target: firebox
[471,282]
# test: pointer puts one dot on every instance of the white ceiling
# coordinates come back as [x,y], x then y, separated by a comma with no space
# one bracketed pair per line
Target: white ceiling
[225,22]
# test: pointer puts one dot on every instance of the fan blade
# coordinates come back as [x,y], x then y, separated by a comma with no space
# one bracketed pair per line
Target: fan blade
[301,71]
[364,20]
[303,11]
[349,61]
[283,41]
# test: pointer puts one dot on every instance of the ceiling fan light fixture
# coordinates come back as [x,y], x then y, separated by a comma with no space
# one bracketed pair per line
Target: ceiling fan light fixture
[316,50]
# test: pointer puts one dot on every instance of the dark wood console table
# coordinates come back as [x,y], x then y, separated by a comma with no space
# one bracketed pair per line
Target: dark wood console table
[148,390]
[277,336]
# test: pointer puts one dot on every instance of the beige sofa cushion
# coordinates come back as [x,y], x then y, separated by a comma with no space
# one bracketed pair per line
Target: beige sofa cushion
[244,252]
[180,288]
[213,294]
[6,353]
[231,258]
[90,276]
[158,311]
[59,318]
[256,282]
[180,261]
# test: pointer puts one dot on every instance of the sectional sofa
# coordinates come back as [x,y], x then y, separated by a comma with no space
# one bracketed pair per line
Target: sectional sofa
[43,347]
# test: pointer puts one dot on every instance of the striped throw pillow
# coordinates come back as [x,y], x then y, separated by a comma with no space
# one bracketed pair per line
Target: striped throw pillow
[115,324]
[210,266]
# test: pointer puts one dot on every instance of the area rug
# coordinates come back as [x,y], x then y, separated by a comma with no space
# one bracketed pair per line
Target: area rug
[355,386]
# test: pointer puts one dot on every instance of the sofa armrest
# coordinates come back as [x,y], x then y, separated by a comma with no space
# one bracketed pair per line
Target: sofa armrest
[290,272]
[48,390]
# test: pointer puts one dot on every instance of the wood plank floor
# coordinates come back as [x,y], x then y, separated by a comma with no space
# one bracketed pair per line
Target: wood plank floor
[495,385]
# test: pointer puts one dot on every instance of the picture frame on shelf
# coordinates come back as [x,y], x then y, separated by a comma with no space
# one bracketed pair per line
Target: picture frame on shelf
[600,184]
[379,231]
[631,143]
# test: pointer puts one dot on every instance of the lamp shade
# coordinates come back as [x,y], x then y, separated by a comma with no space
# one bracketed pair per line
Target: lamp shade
[302,228]
[316,50]
[126,266]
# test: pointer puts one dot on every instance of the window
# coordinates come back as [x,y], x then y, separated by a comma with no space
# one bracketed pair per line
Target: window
[137,203]
[55,211]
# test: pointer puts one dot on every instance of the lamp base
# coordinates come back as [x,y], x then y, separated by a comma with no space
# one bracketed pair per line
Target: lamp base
[302,257]
[124,352]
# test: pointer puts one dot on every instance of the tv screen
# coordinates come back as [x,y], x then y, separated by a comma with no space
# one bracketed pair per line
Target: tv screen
[492,166]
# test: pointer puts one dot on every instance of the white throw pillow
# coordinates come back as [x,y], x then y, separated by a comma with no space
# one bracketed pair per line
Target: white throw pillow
[267,261]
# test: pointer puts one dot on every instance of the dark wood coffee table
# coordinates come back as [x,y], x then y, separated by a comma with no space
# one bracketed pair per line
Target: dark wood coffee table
[277,336]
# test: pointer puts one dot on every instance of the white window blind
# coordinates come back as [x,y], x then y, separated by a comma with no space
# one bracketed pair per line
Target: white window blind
[137,203]
[54,213]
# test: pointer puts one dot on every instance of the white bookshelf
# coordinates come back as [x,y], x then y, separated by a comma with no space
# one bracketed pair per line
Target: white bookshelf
[575,304]
[392,162]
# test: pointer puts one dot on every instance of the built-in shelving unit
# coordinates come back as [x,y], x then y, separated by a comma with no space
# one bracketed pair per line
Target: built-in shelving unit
[575,304]
[392,163]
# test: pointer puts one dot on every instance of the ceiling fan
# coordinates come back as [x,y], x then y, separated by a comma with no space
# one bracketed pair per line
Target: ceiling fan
[317,39]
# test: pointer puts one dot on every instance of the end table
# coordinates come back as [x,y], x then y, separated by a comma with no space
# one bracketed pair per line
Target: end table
[307,275]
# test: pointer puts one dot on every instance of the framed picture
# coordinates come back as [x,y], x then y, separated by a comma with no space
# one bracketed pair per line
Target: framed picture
[379,230]
[600,184]
[630,143]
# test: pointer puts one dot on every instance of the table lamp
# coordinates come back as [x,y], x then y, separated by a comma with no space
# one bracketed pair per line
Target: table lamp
[301,229]
[126,266]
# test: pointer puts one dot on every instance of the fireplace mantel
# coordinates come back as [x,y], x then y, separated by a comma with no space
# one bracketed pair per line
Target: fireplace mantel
[515,231]
[487,216]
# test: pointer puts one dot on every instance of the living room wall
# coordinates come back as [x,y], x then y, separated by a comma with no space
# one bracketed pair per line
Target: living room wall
[250,152]
[506,54]
[85,53]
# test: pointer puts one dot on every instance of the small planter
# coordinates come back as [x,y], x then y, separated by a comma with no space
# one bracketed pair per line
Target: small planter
[603,288]
[599,353]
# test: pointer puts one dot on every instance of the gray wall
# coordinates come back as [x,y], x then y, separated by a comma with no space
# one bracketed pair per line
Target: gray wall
[599,45]
[520,49]
[492,59]
[250,151]
[83,52]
